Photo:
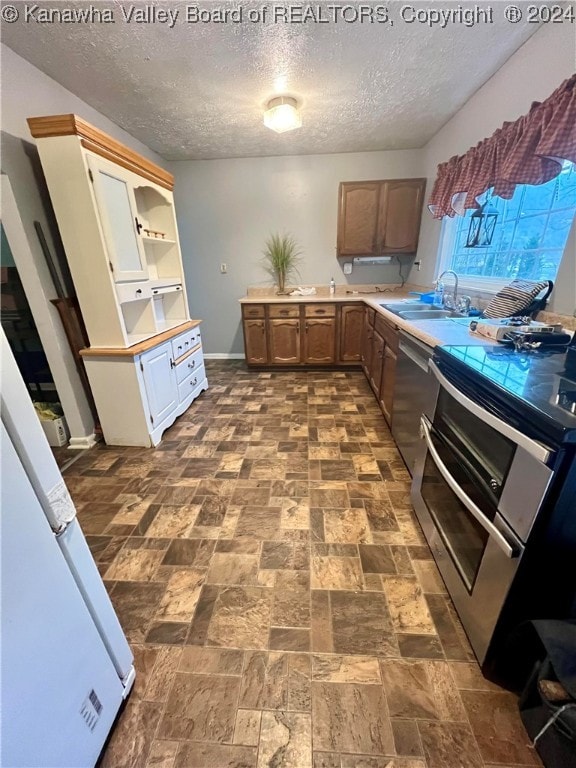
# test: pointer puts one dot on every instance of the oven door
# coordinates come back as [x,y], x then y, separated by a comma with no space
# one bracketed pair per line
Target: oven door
[477,488]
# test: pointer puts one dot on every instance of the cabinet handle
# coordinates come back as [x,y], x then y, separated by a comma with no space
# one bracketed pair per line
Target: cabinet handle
[138,225]
[172,363]
[186,343]
[192,364]
[155,290]
[283,311]
[138,291]
[320,311]
[262,329]
[193,383]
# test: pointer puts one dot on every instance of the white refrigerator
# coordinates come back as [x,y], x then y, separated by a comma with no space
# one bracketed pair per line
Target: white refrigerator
[66,666]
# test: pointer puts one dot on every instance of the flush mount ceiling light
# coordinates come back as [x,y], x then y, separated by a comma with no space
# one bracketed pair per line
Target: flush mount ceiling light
[282,114]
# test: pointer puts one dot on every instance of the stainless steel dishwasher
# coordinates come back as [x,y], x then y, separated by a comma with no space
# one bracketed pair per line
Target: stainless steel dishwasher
[415,392]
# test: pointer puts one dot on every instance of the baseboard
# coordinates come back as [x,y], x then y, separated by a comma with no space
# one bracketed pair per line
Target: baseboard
[82,443]
[223,356]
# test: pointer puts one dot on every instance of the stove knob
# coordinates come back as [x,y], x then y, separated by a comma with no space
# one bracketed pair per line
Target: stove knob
[495,485]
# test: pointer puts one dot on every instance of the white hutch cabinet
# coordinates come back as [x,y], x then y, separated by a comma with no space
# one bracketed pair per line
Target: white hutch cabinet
[115,212]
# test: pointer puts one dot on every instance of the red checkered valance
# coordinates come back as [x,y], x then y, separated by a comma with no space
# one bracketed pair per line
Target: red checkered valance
[528,151]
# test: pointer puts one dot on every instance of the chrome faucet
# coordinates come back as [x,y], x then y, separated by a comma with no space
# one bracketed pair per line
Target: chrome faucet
[454,300]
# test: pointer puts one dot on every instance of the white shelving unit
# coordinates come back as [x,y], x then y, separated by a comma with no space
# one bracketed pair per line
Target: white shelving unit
[115,211]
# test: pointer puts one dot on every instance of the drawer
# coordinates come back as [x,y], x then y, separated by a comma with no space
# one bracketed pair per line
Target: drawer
[190,383]
[319,310]
[284,310]
[132,291]
[387,331]
[253,310]
[185,342]
[189,365]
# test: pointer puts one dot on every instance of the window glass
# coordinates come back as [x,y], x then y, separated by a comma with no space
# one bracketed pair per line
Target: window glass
[530,234]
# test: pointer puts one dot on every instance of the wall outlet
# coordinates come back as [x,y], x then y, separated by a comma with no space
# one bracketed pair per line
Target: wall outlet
[348,268]
[223,268]
[418,264]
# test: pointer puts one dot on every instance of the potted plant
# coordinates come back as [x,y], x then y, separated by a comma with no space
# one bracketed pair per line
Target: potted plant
[281,257]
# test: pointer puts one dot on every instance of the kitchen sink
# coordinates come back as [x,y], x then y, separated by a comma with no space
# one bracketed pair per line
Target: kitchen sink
[418,311]
[409,306]
[429,314]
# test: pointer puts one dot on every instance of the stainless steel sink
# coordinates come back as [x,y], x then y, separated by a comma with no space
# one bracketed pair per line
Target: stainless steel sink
[429,314]
[407,306]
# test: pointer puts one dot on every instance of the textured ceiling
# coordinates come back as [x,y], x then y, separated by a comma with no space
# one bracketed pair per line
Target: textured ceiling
[198,90]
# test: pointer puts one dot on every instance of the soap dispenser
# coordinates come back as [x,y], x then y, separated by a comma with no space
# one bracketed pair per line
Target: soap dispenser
[332,287]
[438,300]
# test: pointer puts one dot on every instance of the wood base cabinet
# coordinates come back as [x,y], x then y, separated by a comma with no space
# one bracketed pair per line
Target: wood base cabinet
[303,334]
[154,383]
[379,359]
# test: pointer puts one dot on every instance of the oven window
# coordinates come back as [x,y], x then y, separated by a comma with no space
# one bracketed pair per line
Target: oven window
[488,453]
[464,538]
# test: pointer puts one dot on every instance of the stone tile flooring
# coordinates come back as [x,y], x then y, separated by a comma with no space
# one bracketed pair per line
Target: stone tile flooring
[279,596]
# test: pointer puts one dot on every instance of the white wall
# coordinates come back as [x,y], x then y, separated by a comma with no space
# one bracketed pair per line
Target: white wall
[227,208]
[28,92]
[531,74]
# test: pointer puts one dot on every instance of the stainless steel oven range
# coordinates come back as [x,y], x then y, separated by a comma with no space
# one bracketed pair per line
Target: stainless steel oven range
[494,488]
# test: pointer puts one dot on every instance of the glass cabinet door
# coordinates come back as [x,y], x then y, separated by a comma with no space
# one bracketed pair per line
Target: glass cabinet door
[118,215]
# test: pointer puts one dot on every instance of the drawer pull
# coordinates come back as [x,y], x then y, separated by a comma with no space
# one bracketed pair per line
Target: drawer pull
[192,364]
[193,383]
[186,343]
[139,291]
[320,311]
[283,311]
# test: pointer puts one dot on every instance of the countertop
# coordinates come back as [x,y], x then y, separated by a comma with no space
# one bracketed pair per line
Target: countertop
[432,332]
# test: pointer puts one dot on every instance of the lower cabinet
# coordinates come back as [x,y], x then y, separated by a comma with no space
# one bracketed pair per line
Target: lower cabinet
[284,340]
[140,390]
[301,334]
[379,354]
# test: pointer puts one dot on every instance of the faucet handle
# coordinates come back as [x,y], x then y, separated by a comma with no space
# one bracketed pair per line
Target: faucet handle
[464,303]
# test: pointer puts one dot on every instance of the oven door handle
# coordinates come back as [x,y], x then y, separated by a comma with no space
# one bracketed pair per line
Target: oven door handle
[509,550]
[534,448]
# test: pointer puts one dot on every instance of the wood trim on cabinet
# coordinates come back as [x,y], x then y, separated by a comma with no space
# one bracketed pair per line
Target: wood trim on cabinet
[101,144]
[142,346]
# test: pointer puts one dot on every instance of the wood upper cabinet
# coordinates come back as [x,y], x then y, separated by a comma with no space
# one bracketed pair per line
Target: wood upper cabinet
[350,335]
[379,217]
[358,218]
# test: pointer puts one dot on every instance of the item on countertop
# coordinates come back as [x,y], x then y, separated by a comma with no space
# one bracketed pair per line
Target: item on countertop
[519,298]
[502,329]
[332,287]
[438,300]
[281,257]
[427,298]
[300,291]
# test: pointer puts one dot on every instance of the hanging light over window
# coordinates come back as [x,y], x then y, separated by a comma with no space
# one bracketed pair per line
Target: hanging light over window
[282,114]
[482,225]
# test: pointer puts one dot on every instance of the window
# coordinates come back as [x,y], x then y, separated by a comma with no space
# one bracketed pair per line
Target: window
[529,238]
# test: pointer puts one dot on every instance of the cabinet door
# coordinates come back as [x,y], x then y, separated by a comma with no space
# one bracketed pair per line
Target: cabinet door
[351,324]
[367,342]
[118,216]
[255,344]
[400,212]
[387,383]
[160,382]
[284,340]
[358,218]
[378,345]
[319,340]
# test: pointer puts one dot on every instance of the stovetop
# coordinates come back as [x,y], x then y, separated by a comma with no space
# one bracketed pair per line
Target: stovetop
[534,384]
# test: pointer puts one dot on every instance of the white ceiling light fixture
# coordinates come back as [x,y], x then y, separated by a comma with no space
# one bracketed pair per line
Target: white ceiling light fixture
[282,114]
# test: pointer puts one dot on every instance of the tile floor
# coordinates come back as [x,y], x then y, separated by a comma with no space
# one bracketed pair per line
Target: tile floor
[279,596]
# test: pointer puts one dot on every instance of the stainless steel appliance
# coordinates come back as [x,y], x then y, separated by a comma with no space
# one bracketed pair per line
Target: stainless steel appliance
[413,395]
[495,487]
